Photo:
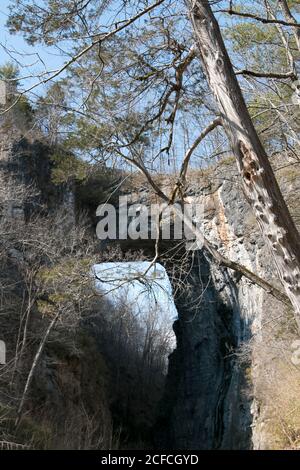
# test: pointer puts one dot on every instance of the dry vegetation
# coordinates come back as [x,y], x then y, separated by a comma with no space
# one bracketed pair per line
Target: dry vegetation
[274,381]
[73,359]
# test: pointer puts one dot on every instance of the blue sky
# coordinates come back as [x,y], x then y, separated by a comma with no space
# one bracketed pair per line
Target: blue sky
[23,53]
[31,60]
[153,302]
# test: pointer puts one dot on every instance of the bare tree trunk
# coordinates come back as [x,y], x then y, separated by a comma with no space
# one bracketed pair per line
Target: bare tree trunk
[286,43]
[290,18]
[33,367]
[260,185]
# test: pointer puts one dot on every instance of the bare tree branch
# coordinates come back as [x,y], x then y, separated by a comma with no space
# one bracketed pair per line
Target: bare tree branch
[260,19]
[291,20]
[184,167]
[100,39]
[207,245]
[280,76]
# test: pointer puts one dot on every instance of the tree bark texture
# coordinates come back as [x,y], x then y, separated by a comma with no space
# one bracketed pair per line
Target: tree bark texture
[259,182]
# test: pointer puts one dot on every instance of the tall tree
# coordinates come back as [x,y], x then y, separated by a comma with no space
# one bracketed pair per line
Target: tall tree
[146,59]
[259,182]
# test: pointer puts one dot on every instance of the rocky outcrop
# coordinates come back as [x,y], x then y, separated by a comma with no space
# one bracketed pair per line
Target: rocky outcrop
[204,406]
[210,400]
[27,159]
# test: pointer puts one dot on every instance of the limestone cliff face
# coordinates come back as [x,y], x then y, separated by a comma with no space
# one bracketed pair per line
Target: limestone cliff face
[204,407]
[210,400]
[26,158]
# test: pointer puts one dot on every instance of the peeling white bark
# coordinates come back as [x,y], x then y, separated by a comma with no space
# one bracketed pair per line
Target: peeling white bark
[260,185]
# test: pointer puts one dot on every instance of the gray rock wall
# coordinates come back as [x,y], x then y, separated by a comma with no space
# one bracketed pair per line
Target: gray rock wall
[210,400]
